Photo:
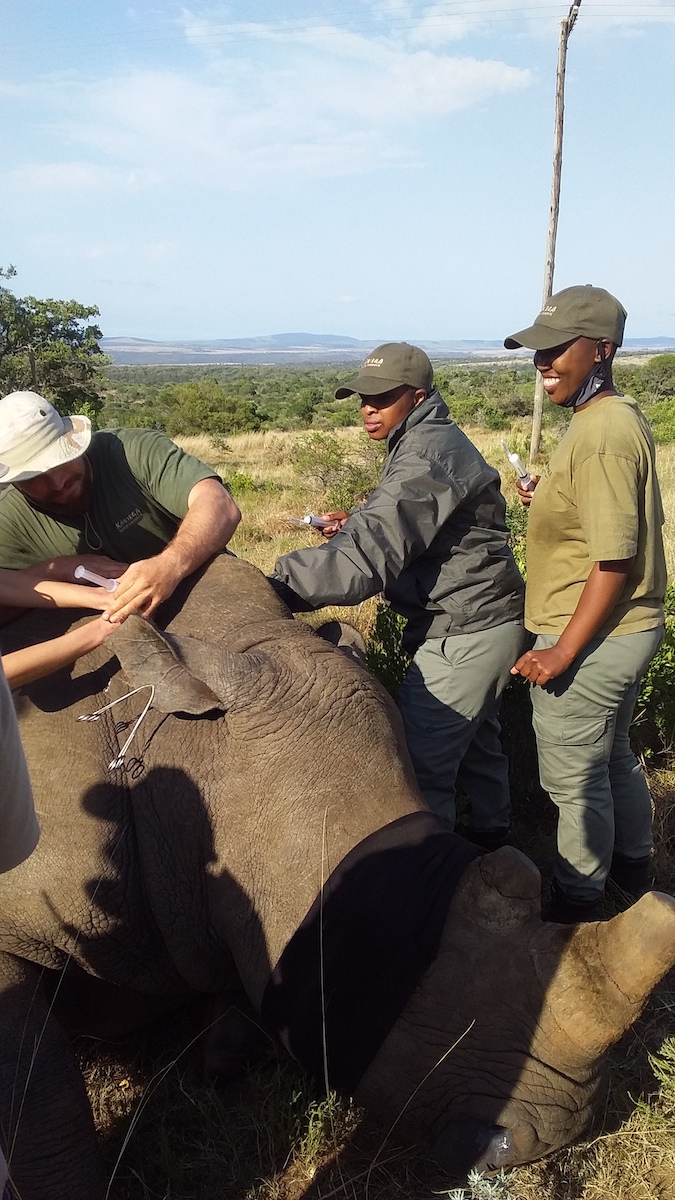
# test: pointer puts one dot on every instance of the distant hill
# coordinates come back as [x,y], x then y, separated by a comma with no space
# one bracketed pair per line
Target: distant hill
[302,349]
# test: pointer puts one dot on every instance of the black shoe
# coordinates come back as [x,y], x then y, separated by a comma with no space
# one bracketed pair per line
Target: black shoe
[563,911]
[489,839]
[635,876]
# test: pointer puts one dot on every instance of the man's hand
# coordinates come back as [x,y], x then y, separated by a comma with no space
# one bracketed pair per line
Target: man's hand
[143,587]
[526,494]
[337,520]
[541,666]
[206,528]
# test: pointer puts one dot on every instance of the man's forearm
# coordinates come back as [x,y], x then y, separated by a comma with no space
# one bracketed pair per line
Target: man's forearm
[206,528]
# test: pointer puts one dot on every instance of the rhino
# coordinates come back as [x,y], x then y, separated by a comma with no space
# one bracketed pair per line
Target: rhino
[264,826]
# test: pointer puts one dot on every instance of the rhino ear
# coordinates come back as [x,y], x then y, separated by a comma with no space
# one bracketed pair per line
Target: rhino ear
[150,657]
[346,638]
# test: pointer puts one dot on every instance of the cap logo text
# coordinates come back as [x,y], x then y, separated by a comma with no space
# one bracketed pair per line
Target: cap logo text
[549,310]
[373,362]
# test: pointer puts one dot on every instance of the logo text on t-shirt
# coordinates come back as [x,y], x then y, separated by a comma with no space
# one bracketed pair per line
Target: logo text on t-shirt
[131,518]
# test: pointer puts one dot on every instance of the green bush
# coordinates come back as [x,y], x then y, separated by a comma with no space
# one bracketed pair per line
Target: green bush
[239,483]
[205,406]
[661,417]
[345,475]
[516,519]
[385,655]
[653,728]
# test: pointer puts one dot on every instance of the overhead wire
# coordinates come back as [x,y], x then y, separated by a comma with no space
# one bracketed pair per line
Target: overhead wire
[354,20]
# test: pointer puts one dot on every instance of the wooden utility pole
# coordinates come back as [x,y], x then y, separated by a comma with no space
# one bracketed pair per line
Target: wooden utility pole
[566,27]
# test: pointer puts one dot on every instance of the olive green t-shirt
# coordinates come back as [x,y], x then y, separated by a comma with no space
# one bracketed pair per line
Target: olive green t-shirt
[599,501]
[141,484]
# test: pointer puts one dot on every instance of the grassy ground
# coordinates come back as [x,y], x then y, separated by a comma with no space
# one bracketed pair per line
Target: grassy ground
[167,1134]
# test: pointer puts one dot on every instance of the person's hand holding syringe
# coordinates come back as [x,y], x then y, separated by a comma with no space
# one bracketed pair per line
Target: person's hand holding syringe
[526,483]
[327,523]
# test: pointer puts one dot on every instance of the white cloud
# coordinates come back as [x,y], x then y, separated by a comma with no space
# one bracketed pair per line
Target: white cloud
[266,100]
[330,103]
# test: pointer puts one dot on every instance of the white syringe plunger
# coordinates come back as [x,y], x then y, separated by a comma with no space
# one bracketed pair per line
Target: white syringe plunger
[110,585]
[524,477]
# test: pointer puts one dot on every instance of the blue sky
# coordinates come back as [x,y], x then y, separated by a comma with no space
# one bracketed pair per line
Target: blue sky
[378,168]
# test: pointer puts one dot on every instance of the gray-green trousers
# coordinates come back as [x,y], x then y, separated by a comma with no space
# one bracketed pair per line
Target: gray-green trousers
[586,764]
[449,703]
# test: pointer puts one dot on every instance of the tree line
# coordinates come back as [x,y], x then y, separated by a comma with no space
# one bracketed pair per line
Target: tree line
[53,347]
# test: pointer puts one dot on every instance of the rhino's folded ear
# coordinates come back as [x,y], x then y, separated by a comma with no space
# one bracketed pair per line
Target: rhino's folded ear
[176,668]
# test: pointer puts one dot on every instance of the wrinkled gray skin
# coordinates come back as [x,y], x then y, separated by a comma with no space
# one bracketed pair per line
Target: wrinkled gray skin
[201,870]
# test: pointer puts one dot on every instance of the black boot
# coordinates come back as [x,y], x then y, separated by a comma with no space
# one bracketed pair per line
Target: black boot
[564,911]
[489,839]
[635,876]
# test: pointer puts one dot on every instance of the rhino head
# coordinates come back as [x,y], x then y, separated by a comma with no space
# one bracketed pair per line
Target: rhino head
[497,1059]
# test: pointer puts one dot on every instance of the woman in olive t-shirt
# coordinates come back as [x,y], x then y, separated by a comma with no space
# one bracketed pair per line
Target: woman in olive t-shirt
[596,579]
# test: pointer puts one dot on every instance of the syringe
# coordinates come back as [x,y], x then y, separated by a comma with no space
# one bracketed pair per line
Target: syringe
[110,585]
[525,479]
[311,519]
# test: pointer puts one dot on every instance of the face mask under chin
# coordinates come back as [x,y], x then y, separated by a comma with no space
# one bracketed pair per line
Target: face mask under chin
[595,381]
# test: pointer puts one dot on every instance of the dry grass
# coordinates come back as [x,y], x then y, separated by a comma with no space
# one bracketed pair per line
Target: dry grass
[270,1137]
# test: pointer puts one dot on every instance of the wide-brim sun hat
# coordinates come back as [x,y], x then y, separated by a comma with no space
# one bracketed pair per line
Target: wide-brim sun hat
[579,311]
[389,366]
[35,438]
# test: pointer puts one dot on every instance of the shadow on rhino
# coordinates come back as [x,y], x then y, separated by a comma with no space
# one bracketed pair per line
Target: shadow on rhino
[267,829]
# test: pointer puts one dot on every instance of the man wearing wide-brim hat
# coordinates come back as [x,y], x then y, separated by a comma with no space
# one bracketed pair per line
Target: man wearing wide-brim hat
[129,502]
[433,538]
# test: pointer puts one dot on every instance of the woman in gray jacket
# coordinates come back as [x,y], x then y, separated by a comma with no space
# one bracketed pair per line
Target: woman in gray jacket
[432,537]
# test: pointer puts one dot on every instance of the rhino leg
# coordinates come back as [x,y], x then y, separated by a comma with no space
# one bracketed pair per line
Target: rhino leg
[498,1057]
[47,1128]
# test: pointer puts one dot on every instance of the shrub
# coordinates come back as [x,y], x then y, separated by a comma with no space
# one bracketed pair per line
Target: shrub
[385,655]
[239,482]
[661,417]
[319,456]
[653,728]
[205,406]
[346,475]
[516,519]
[480,1188]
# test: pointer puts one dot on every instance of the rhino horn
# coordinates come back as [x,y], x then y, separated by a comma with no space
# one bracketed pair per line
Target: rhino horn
[606,972]
[188,676]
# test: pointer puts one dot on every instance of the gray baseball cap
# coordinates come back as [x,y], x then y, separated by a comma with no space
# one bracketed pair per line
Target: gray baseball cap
[580,311]
[388,367]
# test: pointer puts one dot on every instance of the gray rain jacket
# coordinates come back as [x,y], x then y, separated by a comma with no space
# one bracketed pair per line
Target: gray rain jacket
[432,537]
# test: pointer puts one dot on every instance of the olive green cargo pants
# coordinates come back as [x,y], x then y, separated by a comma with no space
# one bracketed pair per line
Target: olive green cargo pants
[449,703]
[581,721]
